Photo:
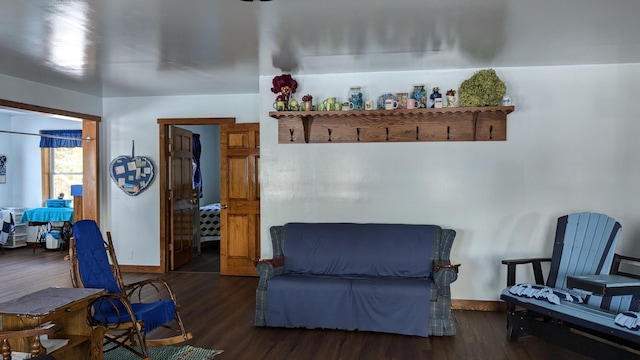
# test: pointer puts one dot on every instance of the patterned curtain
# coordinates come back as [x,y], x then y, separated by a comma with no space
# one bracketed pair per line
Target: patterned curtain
[60,138]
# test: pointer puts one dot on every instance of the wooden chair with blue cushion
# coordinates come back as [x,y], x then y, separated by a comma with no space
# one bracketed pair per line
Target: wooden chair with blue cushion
[129,311]
[564,313]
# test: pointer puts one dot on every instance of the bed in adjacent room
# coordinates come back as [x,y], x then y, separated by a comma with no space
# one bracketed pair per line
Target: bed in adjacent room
[57,215]
[209,223]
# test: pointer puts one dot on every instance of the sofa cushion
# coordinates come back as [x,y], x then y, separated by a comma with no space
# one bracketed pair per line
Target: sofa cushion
[395,250]
[393,305]
[310,301]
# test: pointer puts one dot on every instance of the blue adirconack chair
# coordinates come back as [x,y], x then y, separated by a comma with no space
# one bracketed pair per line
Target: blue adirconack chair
[128,312]
[584,245]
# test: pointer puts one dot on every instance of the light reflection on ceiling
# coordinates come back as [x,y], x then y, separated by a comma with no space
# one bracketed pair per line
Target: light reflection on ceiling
[67,44]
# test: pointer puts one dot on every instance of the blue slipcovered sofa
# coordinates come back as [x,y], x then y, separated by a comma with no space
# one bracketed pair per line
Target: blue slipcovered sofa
[391,278]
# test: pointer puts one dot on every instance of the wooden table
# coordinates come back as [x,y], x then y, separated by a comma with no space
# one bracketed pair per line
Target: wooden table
[65,307]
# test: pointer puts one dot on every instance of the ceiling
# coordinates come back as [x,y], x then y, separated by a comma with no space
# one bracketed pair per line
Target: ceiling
[114,48]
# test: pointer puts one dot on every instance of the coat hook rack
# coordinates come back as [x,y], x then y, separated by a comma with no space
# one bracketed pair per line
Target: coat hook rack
[486,123]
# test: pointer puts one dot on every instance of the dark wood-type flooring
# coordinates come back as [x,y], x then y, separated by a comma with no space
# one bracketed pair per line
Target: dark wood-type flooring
[218,310]
[208,261]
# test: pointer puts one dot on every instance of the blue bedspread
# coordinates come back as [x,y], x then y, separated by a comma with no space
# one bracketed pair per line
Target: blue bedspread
[47,215]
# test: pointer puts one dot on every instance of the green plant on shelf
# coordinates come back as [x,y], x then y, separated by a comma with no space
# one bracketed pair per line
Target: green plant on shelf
[484,88]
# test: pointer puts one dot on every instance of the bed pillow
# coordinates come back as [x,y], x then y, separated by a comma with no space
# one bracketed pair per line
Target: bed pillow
[58,203]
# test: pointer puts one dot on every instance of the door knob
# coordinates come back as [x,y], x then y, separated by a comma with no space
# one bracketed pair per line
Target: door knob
[223,206]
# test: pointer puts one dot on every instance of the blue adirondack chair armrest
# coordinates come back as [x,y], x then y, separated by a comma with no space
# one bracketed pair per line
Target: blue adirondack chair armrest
[625,265]
[536,264]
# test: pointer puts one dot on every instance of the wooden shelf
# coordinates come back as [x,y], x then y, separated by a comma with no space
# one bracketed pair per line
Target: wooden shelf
[487,123]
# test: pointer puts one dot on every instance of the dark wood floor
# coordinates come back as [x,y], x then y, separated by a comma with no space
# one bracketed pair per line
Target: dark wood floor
[218,310]
[208,261]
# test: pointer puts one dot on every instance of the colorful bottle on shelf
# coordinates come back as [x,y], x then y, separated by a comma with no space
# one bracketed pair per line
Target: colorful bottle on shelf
[419,94]
[436,98]
[355,98]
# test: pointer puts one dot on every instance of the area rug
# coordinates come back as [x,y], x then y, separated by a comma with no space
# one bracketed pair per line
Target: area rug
[165,353]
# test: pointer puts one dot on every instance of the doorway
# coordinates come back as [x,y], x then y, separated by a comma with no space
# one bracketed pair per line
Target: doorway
[205,252]
[90,202]
[212,255]
[239,193]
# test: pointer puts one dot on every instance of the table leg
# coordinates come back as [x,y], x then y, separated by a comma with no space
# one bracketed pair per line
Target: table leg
[43,229]
[97,343]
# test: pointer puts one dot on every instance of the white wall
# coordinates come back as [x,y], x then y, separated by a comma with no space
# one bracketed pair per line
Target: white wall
[134,221]
[24,181]
[571,146]
[33,93]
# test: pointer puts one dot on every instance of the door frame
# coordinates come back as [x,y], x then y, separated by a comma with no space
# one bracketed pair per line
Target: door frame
[90,153]
[163,170]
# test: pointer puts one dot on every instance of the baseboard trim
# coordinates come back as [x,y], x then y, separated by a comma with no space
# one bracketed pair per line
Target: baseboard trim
[478,305]
[141,269]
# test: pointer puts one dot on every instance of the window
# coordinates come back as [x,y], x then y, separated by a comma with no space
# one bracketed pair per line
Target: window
[66,170]
[61,162]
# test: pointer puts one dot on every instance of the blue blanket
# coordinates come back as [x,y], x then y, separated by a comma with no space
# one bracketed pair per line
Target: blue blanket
[370,277]
[359,249]
[47,215]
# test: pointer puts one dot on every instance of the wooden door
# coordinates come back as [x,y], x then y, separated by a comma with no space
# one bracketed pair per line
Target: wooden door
[180,199]
[239,198]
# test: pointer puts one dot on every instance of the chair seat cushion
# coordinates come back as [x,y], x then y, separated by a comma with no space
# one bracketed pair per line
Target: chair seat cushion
[552,295]
[628,319]
[152,314]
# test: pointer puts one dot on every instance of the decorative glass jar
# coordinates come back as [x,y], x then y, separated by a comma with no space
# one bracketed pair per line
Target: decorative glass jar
[307,105]
[419,94]
[356,101]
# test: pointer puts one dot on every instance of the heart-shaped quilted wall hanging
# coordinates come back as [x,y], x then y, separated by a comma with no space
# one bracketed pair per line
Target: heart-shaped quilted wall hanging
[132,174]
